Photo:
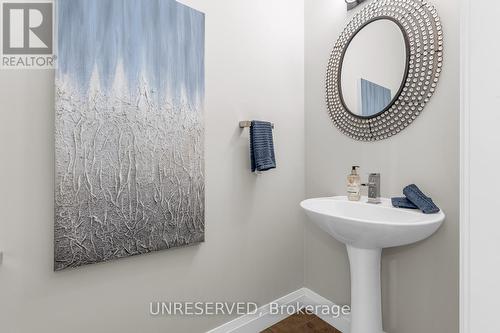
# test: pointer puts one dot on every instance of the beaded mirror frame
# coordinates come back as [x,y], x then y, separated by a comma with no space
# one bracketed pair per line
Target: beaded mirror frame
[422,30]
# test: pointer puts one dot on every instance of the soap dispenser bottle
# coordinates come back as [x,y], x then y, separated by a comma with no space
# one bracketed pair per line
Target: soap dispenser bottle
[354,185]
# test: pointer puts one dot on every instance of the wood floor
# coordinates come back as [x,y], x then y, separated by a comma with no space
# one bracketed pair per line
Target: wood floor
[301,323]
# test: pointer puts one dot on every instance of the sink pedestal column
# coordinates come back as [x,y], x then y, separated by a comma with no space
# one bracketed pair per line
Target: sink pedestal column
[366,302]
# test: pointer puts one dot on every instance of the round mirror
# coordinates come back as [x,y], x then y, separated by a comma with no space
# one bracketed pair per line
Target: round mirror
[374,68]
[384,68]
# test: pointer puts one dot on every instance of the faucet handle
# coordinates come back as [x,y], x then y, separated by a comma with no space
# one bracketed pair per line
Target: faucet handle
[373,188]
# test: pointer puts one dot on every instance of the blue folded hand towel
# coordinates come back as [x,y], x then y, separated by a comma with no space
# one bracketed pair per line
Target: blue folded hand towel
[424,203]
[403,202]
[262,146]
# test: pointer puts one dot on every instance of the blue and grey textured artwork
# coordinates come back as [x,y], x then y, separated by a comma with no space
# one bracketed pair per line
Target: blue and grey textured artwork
[374,98]
[129,129]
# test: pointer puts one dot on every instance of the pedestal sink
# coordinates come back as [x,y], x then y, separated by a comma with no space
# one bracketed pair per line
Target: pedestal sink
[366,229]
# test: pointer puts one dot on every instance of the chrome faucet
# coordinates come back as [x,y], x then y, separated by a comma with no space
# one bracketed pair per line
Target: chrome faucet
[373,188]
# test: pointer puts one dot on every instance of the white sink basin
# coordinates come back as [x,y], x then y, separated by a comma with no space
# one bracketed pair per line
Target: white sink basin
[365,229]
[365,225]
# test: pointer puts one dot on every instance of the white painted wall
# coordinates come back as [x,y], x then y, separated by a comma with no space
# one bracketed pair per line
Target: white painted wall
[420,281]
[481,155]
[254,230]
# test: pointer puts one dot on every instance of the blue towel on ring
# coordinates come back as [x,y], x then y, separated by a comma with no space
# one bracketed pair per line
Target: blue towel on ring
[424,203]
[262,146]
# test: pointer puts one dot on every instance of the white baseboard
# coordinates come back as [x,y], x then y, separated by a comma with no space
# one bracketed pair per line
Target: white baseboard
[253,323]
[340,323]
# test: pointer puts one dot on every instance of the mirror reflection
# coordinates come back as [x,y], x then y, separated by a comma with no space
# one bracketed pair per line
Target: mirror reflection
[373,68]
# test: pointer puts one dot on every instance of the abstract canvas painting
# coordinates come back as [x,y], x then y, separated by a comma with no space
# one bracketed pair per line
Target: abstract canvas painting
[129,131]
